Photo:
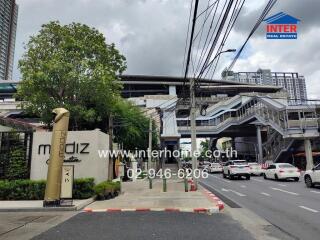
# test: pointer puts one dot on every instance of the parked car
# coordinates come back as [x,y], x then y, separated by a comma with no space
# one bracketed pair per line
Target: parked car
[312,177]
[256,169]
[214,168]
[283,171]
[236,168]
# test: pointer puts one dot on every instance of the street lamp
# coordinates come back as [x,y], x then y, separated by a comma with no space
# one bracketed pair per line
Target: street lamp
[229,50]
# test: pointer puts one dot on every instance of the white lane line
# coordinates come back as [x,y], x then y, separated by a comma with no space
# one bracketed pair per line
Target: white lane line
[257,180]
[281,190]
[266,194]
[315,192]
[282,185]
[235,192]
[309,209]
[243,186]
[239,194]
[227,181]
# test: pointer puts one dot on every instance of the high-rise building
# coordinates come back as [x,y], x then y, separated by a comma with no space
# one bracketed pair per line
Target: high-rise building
[292,82]
[8,27]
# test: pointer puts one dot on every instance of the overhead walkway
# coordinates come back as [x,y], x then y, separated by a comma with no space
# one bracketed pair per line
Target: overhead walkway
[289,121]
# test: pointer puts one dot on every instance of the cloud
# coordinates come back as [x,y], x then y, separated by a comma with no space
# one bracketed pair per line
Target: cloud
[151,34]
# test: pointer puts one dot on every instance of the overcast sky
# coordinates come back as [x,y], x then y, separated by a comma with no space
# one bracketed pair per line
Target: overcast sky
[151,34]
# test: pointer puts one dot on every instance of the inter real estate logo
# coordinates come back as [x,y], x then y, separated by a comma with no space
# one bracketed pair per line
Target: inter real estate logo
[282,26]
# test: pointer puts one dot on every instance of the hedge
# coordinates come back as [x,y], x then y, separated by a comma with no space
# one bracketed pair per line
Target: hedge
[34,189]
[107,189]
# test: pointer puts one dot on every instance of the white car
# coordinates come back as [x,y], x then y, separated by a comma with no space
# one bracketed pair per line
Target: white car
[236,168]
[256,169]
[214,168]
[312,177]
[284,171]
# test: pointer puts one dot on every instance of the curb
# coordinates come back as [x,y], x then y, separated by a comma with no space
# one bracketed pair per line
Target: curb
[214,198]
[190,210]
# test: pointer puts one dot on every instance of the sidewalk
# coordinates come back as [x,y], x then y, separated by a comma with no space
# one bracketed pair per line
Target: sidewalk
[36,206]
[136,196]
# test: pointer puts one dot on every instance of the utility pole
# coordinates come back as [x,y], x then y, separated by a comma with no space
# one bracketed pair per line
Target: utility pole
[110,169]
[192,97]
[150,143]
[193,128]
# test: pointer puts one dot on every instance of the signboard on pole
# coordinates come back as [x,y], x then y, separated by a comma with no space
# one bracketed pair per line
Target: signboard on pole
[67,181]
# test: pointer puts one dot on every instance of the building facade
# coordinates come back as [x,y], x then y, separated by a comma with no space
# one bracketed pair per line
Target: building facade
[8,27]
[292,82]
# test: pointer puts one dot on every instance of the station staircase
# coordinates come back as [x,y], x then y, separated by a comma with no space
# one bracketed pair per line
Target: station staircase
[267,112]
[289,123]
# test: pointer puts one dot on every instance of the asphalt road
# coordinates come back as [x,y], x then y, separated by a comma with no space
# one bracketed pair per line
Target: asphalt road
[148,225]
[288,205]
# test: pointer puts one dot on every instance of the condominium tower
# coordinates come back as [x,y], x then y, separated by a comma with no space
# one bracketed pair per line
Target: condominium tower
[8,27]
[292,82]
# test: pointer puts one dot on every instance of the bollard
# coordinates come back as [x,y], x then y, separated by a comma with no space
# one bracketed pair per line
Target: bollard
[150,183]
[164,184]
[185,184]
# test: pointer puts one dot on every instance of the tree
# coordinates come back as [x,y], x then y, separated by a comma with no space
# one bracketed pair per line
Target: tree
[71,66]
[204,149]
[132,126]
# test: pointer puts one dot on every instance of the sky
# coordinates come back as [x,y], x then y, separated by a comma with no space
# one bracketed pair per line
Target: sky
[151,34]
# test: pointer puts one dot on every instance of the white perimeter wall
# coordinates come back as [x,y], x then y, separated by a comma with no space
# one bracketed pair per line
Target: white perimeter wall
[90,165]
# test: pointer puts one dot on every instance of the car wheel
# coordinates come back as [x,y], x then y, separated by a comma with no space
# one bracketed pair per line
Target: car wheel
[308,181]
[296,179]
[224,176]
[276,177]
[265,176]
[248,177]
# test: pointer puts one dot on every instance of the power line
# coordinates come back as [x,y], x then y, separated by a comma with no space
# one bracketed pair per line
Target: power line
[266,10]
[186,42]
[233,19]
[191,38]
[214,43]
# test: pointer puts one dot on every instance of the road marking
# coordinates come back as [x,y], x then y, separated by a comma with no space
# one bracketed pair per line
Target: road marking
[239,194]
[281,190]
[257,180]
[282,185]
[227,181]
[266,194]
[315,192]
[309,209]
[243,186]
[235,192]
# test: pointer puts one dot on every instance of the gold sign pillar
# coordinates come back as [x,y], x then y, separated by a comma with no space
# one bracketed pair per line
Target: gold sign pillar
[58,142]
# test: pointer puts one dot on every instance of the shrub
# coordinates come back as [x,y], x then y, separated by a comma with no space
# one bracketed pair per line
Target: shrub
[107,189]
[17,167]
[34,189]
[22,190]
[83,188]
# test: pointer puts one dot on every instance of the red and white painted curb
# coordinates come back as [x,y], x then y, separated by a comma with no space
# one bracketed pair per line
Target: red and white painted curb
[214,198]
[194,210]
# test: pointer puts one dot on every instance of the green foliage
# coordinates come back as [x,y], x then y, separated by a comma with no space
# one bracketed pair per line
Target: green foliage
[106,189]
[71,66]
[17,166]
[34,190]
[142,175]
[205,147]
[134,126]
[22,190]
[83,188]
